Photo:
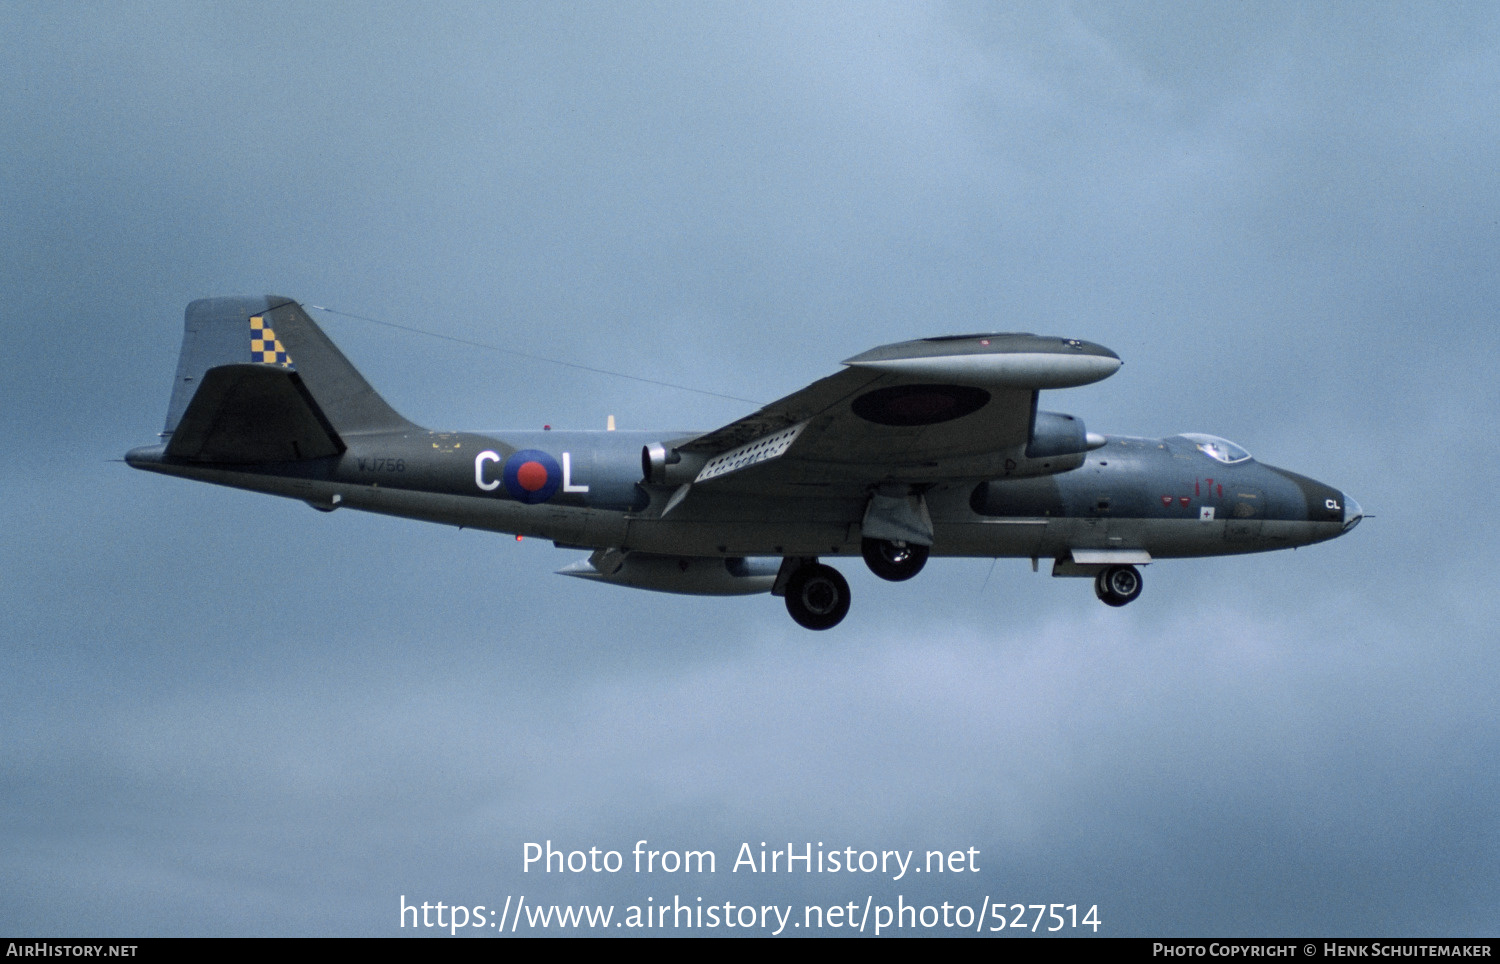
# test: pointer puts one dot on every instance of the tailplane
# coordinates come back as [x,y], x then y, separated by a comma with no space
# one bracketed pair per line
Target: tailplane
[257,381]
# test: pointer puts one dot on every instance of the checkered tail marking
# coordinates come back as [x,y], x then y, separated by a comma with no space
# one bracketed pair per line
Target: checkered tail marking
[264,345]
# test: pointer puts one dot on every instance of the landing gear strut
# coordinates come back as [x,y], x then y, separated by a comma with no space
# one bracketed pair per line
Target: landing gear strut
[1118,585]
[895,561]
[817,596]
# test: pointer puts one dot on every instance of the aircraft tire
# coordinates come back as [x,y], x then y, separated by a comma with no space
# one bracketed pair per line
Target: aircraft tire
[894,561]
[817,596]
[1118,585]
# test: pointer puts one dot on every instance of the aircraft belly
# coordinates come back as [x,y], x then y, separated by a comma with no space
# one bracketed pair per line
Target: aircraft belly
[1187,538]
[717,523]
[762,537]
[569,525]
[990,537]
[1162,538]
[566,525]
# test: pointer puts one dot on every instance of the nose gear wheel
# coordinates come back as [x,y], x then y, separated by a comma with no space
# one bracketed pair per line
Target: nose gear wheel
[1118,585]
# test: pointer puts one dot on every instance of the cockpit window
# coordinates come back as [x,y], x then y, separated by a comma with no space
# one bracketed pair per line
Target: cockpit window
[1218,449]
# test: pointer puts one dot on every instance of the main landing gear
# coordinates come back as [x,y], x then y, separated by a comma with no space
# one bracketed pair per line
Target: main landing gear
[1118,585]
[894,561]
[817,596]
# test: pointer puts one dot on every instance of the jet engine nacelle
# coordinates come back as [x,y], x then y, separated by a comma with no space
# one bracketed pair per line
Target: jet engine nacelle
[1053,433]
[1058,443]
[689,575]
[663,466]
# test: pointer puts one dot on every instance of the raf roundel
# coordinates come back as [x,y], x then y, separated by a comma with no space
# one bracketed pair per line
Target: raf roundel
[531,476]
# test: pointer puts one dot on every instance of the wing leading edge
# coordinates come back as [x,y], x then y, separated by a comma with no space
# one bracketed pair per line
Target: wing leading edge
[913,412]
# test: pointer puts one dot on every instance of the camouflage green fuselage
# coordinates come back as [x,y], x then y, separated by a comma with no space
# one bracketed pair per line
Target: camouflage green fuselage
[1162,496]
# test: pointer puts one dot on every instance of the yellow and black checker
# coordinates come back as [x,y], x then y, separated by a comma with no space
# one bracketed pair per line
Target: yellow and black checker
[264,345]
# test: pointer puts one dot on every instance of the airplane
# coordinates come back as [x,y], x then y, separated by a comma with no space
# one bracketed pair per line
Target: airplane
[932,447]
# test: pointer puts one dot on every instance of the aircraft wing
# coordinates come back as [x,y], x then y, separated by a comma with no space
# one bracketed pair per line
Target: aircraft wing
[913,412]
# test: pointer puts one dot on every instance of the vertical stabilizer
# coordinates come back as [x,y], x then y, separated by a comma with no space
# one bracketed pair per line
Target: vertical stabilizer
[340,390]
[216,331]
[275,331]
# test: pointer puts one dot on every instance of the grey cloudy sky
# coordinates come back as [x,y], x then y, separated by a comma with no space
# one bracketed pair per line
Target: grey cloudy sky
[225,714]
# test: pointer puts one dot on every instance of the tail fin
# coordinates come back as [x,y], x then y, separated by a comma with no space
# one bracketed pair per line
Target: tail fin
[257,380]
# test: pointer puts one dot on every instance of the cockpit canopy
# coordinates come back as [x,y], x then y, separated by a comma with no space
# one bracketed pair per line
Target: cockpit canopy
[1218,449]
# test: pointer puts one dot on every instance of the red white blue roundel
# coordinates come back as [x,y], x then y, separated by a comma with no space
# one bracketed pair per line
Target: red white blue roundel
[531,476]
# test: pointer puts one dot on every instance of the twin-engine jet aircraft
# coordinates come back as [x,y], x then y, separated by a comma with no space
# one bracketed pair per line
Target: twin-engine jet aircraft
[928,447]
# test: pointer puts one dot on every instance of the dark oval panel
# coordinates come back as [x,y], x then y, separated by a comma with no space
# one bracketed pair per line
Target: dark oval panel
[919,404]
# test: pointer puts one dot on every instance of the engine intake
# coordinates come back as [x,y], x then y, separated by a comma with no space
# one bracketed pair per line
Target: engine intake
[1054,434]
[1058,443]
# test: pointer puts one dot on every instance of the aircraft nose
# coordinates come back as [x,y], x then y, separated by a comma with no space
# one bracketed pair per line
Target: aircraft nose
[1352,512]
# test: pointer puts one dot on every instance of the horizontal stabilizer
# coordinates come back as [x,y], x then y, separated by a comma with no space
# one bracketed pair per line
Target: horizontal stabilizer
[253,413]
